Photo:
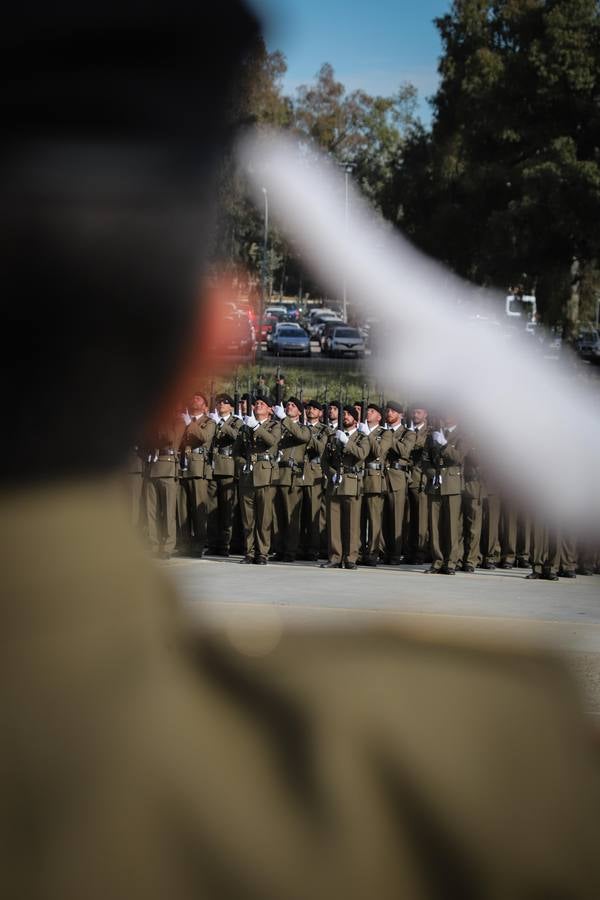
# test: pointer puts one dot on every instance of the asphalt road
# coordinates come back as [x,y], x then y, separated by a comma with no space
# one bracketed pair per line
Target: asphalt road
[563,615]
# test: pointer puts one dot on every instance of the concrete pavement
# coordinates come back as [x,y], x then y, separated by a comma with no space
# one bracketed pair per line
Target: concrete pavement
[564,615]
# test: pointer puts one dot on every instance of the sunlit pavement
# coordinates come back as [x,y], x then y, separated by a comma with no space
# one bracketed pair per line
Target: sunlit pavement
[564,614]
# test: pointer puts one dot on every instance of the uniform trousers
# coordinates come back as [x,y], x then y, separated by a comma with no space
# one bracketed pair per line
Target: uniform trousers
[313,518]
[291,508]
[161,507]
[256,509]
[472,512]
[418,526]
[372,525]
[445,528]
[343,514]
[394,503]
[221,505]
[195,512]
[490,541]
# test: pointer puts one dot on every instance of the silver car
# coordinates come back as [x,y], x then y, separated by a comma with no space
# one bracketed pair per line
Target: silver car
[287,338]
[345,341]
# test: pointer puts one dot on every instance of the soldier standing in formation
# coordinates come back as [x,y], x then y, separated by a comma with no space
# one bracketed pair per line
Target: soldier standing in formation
[290,478]
[345,454]
[255,454]
[313,486]
[195,474]
[418,519]
[374,486]
[222,485]
[445,454]
[161,487]
[399,446]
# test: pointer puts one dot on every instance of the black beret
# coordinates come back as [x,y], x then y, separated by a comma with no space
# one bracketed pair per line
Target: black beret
[397,407]
[419,405]
[313,403]
[264,398]
[351,411]
[224,398]
[295,401]
[375,407]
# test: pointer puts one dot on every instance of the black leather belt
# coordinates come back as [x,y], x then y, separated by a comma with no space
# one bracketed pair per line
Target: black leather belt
[401,466]
[199,450]
[226,451]
[352,470]
[263,457]
[374,465]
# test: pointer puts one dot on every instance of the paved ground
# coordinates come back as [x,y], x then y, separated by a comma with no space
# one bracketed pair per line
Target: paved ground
[564,614]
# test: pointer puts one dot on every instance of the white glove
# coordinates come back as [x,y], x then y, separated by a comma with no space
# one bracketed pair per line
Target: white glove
[237,416]
[215,417]
[439,438]
[342,437]
[186,417]
[364,428]
[251,422]
[279,411]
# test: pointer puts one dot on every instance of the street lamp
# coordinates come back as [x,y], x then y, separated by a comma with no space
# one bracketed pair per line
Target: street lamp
[348,167]
[263,291]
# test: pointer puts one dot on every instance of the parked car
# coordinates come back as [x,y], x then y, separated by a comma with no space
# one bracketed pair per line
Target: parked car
[326,330]
[289,338]
[274,330]
[268,323]
[345,341]
[318,321]
[588,345]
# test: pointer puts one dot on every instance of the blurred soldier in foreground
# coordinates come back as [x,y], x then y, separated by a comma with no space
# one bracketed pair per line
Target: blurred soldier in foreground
[139,759]
[196,472]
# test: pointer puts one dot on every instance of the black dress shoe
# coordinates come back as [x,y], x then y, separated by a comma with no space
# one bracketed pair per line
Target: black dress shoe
[488,565]
[246,560]
[506,565]
[432,571]
[523,564]
[393,561]
[350,565]
[276,557]
[260,561]
[370,561]
[533,575]
[584,572]
[330,565]
[468,569]
[550,576]
[446,570]
[568,573]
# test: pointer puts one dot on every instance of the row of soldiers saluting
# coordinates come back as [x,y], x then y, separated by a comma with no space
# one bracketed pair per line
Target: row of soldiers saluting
[356,484]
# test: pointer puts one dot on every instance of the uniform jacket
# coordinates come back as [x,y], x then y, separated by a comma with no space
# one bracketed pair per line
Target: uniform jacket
[345,464]
[473,486]
[374,479]
[418,478]
[251,446]
[223,462]
[313,454]
[292,447]
[397,460]
[163,447]
[195,447]
[443,465]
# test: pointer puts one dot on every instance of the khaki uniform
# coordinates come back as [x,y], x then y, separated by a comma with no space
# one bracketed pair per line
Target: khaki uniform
[255,453]
[397,474]
[313,512]
[345,470]
[418,519]
[374,490]
[490,534]
[290,483]
[472,508]
[222,485]
[161,487]
[135,484]
[142,759]
[196,472]
[443,466]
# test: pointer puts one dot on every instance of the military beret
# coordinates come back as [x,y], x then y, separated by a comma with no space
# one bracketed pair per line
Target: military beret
[375,407]
[419,405]
[295,401]
[224,398]
[397,407]
[313,403]
[263,398]
[351,411]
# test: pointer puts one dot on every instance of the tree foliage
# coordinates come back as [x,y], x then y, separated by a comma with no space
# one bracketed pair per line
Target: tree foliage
[508,180]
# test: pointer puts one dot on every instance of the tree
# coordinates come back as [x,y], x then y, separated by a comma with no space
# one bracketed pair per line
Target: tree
[508,180]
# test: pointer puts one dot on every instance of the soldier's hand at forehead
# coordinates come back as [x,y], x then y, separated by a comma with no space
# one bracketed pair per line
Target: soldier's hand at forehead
[438,437]
[364,428]
[342,437]
[251,421]
[214,415]
[279,411]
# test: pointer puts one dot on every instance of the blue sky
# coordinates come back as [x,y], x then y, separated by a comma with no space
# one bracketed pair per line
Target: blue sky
[375,46]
